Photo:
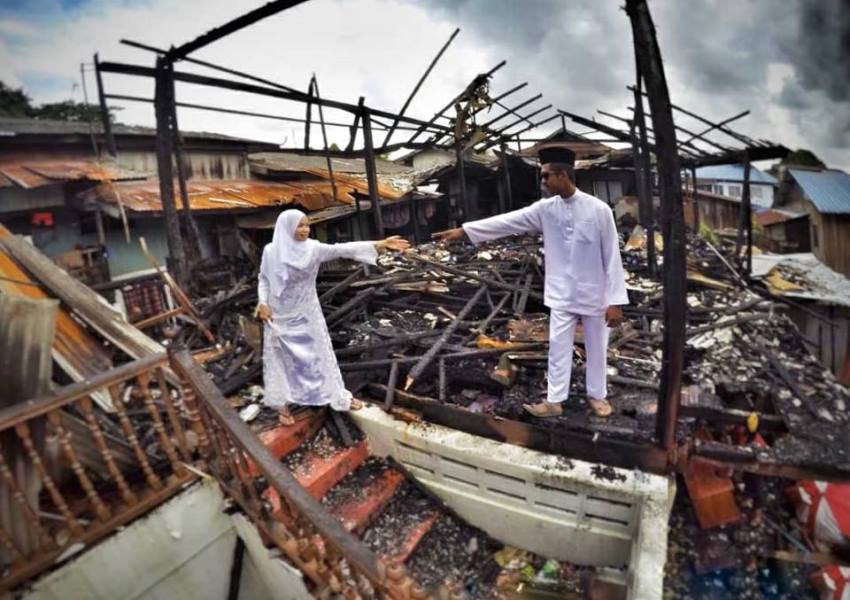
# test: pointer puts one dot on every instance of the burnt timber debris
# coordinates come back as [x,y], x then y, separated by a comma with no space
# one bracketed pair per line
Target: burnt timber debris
[710,378]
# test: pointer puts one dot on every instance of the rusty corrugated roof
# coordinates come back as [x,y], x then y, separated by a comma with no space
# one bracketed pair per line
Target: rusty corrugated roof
[241,194]
[76,351]
[35,171]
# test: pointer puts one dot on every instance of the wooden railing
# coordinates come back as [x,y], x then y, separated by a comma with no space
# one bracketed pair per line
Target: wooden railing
[71,474]
[333,559]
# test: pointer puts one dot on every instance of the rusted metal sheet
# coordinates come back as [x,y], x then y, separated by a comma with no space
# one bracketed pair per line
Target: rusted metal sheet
[35,171]
[227,195]
[74,349]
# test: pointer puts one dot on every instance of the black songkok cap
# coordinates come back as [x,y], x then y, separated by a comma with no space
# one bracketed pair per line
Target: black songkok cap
[557,154]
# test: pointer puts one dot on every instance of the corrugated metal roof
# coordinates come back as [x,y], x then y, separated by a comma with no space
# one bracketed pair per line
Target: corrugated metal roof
[734,173]
[10,127]
[774,215]
[293,162]
[829,190]
[38,171]
[242,194]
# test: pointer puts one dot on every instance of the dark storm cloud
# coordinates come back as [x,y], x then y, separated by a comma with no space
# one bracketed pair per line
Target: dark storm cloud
[717,54]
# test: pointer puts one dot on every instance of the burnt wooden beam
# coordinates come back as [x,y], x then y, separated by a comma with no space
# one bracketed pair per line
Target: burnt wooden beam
[372,174]
[395,341]
[229,84]
[426,359]
[460,175]
[716,126]
[210,65]
[451,103]
[308,115]
[643,171]
[524,118]
[512,110]
[325,139]
[493,283]
[419,83]
[674,276]
[249,18]
[503,139]
[104,110]
[164,151]
[352,136]
[508,202]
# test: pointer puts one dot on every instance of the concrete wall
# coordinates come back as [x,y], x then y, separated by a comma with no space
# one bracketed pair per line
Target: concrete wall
[14,199]
[183,549]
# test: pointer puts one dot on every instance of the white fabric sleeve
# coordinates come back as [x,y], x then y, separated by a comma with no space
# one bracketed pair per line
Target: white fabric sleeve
[523,220]
[364,252]
[263,282]
[615,277]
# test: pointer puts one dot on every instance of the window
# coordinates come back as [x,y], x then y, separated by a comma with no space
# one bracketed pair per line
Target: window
[733,191]
[756,191]
[717,189]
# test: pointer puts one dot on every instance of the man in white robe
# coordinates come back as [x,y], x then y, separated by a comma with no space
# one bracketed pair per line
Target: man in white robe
[584,279]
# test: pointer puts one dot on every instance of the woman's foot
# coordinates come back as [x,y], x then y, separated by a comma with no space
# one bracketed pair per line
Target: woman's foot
[285,417]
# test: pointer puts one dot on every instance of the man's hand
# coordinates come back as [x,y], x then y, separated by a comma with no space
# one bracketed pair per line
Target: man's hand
[449,235]
[613,316]
[395,242]
[263,312]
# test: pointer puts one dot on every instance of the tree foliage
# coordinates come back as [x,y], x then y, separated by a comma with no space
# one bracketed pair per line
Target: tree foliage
[16,103]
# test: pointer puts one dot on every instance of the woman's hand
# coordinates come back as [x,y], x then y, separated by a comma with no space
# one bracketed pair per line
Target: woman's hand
[395,242]
[263,312]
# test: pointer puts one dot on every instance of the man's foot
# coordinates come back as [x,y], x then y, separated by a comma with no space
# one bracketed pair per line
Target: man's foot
[600,407]
[285,417]
[354,405]
[544,409]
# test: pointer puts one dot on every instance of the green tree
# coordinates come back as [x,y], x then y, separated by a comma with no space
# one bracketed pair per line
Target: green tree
[68,110]
[14,102]
[803,158]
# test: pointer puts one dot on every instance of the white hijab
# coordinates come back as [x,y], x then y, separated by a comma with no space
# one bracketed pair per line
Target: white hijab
[285,252]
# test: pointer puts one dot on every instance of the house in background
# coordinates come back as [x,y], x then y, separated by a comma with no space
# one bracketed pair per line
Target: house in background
[783,231]
[823,195]
[50,171]
[728,181]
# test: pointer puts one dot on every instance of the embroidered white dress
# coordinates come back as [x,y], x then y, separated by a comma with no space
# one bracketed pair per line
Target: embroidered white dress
[299,364]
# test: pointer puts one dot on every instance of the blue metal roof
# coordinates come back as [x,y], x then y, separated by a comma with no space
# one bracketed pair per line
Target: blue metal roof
[734,173]
[829,190]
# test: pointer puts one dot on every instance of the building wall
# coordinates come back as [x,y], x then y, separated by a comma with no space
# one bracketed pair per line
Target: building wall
[200,165]
[830,236]
[762,194]
[73,228]
[15,199]
[714,213]
[786,237]
[827,337]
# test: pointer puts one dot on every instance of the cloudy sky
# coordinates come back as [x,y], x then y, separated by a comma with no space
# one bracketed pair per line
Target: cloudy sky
[787,62]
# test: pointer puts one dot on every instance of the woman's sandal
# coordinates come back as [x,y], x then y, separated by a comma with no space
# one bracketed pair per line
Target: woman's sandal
[355,404]
[284,417]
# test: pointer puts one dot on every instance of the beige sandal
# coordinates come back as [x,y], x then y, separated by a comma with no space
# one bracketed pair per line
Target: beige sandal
[544,409]
[284,417]
[600,407]
[355,404]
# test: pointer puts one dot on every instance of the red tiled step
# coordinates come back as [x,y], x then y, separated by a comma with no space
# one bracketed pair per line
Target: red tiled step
[283,439]
[356,513]
[412,539]
[318,475]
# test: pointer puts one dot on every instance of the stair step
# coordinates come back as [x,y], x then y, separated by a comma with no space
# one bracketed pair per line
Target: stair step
[318,474]
[405,521]
[412,539]
[371,493]
[283,439]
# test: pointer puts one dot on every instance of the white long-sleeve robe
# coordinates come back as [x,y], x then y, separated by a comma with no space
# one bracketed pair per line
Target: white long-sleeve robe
[583,276]
[299,364]
[584,273]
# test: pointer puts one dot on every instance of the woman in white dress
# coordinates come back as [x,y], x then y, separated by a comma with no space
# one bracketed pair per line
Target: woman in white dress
[299,364]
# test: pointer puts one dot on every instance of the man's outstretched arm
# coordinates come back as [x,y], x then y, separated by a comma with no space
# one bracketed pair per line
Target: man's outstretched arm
[523,220]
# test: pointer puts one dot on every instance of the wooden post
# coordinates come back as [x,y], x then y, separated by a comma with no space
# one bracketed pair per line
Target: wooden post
[187,220]
[696,200]
[646,210]
[414,215]
[675,288]
[462,209]
[745,222]
[315,83]
[372,174]
[307,118]
[104,111]
[508,203]
[176,256]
